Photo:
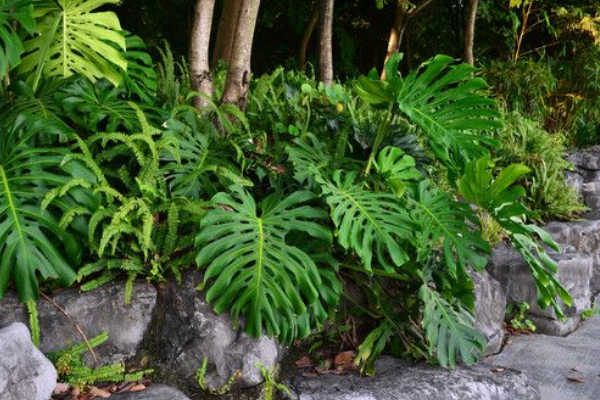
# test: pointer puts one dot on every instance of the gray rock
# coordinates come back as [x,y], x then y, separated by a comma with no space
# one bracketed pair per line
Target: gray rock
[574,272]
[549,360]
[575,181]
[584,236]
[97,311]
[25,374]
[490,305]
[591,194]
[154,392]
[402,380]
[192,332]
[586,159]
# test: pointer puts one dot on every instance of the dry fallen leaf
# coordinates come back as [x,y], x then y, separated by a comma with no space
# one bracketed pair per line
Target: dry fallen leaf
[61,388]
[138,388]
[576,368]
[498,369]
[575,379]
[303,362]
[345,357]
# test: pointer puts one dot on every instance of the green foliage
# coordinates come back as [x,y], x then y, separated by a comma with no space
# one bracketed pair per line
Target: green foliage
[31,240]
[519,320]
[252,270]
[368,222]
[134,224]
[72,39]
[11,45]
[72,368]
[201,379]
[448,224]
[548,193]
[443,99]
[271,385]
[496,197]
[449,330]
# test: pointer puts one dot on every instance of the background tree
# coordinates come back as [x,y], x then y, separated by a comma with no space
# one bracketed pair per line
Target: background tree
[470,31]
[199,51]
[326,41]
[238,73]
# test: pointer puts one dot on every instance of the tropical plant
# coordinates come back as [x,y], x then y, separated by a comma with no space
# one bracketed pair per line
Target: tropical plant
[252,270]
[32,241]
[13,12]
[71,38]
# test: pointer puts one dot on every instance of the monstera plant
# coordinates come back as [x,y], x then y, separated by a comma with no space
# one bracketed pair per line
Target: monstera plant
[70,38]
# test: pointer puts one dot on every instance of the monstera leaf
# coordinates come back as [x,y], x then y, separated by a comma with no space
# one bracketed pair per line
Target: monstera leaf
[449,223]
[11,47]
[442,98]
[251,269]
[72,39]
[32,244]
[369,222]
[450,330]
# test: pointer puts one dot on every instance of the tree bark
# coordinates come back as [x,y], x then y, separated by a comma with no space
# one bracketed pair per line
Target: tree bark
[308,31]
[396,34]
[326,43]
[226,31]
[470,31]
[238,73]
[199,51]
[399,28]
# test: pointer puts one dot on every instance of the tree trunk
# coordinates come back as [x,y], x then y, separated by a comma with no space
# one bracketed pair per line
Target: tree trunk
[226,31]
[470,31]
[238,74]
[400,23]
[326,45]
[396,34]
[308,31]
[199,51]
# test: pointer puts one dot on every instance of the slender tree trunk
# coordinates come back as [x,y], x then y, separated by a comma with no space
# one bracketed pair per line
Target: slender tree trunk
[398,30]
[226,31]
[238,74]
[199,51]
[308,31]
[470,31]
[396,34]
[326,43]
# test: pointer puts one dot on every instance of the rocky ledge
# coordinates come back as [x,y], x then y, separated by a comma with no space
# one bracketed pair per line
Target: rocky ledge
[402,380]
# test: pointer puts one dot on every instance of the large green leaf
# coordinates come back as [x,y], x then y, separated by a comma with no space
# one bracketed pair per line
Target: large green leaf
[31,241]
[449,223]
[251,269]
[445,100]
[11,47]
[450,330]
[72,39]
[369,222]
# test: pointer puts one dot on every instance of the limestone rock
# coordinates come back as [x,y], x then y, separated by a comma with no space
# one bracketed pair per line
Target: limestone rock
[584,236]
[402,380]
[550,360]
[490,305]
[97,311]
[586,159]
[154,392]
[574,272]
[192,331]
[25,374]
[575,181]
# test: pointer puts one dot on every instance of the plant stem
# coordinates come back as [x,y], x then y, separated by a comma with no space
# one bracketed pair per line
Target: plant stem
[381,133]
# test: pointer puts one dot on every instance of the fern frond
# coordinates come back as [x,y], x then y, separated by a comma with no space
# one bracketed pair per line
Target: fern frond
[34,321]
